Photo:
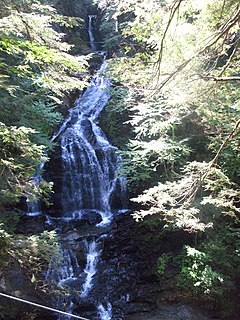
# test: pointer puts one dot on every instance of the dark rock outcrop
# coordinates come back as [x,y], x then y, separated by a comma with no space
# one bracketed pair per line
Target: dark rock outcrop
[170,312]
[31,225]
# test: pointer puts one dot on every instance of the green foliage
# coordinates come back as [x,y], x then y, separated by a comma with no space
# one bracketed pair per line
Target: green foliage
[212,267]
[9,220]
[179,63]
[32,253]
[163,262]
[37,72]
[136,169]
[198,274]
[4,245]
[171,56]
[19,159]
[35,50]
[219,115]
[155,147]
[183,203]
[110,41]
[223,246]
[31,111]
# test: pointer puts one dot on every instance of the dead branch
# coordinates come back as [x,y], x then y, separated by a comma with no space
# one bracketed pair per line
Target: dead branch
[174,9]
[224,78]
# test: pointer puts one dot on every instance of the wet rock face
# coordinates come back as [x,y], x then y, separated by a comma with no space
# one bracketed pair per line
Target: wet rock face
[75,8]
[87,130]
[93,217]
[78,35]
[120,270]
[126,270]
[13,281]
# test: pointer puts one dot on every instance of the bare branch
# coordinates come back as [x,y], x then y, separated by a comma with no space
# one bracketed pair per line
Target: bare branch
[224,78]
[174,9]
[230,58]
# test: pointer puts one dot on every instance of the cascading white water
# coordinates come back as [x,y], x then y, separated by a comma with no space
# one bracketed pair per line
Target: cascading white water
[93,253]
[89,160]
[64,271]
[34,206]
[67,271]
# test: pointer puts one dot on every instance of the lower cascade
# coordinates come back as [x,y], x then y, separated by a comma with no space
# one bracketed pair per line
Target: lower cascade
[105,314]
[91,266]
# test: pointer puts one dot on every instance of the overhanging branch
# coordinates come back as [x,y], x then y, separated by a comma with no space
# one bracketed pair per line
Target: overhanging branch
[224,78]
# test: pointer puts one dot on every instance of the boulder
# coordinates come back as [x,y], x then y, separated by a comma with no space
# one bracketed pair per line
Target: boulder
[93,217]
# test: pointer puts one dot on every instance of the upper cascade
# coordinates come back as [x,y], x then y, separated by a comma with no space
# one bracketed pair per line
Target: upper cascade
[89,162]
[90,32]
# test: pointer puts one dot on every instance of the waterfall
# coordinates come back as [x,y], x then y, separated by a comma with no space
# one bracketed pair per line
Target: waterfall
[91,192]
[89,160]
[68,270]
[90,32]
